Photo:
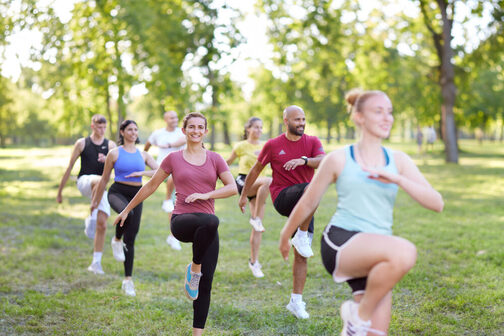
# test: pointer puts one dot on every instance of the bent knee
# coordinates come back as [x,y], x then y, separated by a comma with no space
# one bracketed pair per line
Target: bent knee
[406,257]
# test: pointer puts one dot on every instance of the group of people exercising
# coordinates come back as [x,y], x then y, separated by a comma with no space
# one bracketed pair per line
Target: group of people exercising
[357,245]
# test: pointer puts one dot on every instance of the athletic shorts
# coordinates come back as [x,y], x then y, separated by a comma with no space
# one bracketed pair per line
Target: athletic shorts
[334,240]
[240,182]
[287,200]
[84,186]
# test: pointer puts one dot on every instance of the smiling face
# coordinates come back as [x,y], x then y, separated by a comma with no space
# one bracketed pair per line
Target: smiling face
[375,116]
[130,133]
[195,130]
[294,120]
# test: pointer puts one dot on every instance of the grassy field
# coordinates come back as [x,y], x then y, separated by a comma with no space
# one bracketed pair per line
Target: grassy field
[456,287]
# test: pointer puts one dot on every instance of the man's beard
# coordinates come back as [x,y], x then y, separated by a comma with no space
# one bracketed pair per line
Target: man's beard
[293,130]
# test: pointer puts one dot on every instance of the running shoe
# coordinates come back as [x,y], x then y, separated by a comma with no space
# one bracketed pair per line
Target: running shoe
[191,285]
[118,249]
[95,268]
[128,287]
[352,323]
[90,227]
[173,242]
[298,309]
[256,269]
[302,245]
[168,206]
[257,224]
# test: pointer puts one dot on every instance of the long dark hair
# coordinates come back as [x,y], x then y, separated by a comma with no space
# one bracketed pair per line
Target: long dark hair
[123,126]
[249,124]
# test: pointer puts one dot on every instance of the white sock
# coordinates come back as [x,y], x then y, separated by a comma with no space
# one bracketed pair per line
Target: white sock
[97,257]
[296,297]
[302,234]
[94,214]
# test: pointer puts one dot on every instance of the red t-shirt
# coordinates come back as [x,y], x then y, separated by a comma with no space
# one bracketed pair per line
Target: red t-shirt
[190,179]
[279,150]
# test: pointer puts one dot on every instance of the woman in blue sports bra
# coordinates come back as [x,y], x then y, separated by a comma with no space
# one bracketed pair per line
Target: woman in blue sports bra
[129,166]
[357,245]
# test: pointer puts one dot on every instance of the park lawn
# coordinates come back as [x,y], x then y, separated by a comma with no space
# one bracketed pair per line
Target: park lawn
[456,287]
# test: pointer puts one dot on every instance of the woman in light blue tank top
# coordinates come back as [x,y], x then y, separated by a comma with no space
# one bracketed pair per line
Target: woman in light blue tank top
[129,167]
[357,245]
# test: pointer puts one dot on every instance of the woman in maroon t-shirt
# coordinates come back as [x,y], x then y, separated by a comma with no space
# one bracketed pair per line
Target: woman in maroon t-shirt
[195,172]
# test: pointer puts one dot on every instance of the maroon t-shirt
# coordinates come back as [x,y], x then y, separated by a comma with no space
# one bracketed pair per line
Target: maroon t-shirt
[190,179]
[279,150]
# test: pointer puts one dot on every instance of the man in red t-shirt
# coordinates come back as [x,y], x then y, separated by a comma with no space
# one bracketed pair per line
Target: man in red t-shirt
[293,157]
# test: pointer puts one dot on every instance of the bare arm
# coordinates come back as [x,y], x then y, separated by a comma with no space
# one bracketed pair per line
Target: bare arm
[229,189]
[249,181]
[159,176]
[147,146]
[100,188]
[412,181]
[325,175]
[231,158]
[179,142]
[312,162]
[77,150]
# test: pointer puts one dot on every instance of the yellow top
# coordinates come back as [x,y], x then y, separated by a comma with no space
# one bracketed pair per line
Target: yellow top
[247,155]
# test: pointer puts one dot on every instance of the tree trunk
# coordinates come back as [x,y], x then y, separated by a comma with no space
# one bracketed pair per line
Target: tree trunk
[448,89]
[109,113]
[329,126]
[225,132]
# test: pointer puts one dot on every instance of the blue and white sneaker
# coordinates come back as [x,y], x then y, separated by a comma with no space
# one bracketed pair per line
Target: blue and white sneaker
[90,227]
[191,286]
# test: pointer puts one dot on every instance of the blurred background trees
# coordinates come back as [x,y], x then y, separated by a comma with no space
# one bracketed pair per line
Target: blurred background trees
[440,61]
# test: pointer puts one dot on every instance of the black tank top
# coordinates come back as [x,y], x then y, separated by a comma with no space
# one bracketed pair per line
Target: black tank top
[89,157]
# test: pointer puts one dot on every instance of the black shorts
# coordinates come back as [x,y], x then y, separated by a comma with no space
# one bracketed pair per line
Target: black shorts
[332,240]
[240,182]
[287,200]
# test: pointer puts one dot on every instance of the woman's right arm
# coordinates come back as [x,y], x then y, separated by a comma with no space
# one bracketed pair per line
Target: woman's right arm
[326,174]
[142,194]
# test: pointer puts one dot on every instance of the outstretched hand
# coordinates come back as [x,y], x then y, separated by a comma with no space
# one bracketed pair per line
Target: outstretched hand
[242,202]
[284,245]
[382,175]
[196,196]
[135,174]
[121,218]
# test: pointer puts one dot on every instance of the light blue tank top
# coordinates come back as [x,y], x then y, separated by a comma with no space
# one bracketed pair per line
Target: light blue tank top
[128,163]
[364,204]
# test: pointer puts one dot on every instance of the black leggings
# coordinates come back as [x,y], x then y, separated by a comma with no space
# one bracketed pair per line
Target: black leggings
[119,195]
[201,230]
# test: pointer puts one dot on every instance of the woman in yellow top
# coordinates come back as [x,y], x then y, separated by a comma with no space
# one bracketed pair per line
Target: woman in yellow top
[247,151]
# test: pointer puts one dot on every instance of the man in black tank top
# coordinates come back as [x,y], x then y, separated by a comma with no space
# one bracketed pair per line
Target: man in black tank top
[92,151]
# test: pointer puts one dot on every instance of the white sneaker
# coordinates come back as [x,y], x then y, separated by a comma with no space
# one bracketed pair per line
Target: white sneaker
[173,242]
[90,227]
[302,245]
[118,249]
[128,287]
[298,309]
[257,224]
[256,269]
[352,323]
[95,268]
[168,206]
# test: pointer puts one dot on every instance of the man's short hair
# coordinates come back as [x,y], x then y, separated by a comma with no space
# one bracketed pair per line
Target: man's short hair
[98,119]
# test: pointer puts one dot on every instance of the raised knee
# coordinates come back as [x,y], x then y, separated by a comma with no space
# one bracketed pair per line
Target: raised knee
[406,258]
[213,224]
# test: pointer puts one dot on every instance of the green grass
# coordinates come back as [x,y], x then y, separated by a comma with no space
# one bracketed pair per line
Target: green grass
[456,287]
